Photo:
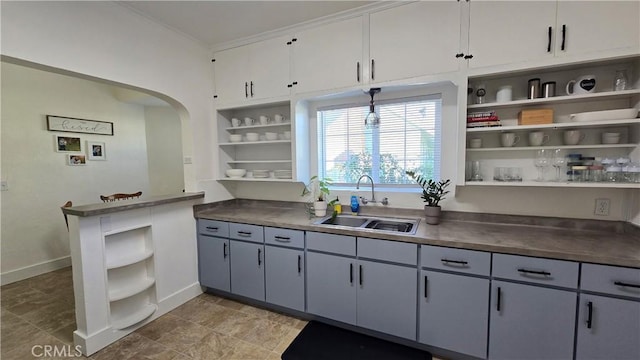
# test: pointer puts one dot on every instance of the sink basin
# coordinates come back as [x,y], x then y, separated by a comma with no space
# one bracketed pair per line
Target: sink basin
[375,224]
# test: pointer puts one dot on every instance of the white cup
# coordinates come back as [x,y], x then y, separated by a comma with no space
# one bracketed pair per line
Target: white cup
[475,143]
[236,122]
[583,85]
[278,118]
[249,121]
[509,139]
[504,94]
[537,138]
[264,120]
[287,135]
[573,137]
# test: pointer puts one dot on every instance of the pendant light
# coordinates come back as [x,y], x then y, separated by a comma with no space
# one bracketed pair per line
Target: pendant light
[372,121]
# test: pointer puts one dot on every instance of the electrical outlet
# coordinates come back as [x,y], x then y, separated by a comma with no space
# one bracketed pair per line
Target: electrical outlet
[602,207]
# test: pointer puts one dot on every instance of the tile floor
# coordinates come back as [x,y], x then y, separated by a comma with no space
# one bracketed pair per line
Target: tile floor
[40,311]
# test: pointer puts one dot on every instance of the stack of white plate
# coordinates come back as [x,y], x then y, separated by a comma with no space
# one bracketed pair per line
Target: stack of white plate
[260,173]
[282,174]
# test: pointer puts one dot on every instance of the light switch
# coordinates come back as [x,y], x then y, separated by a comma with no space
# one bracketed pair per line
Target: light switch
[4,186]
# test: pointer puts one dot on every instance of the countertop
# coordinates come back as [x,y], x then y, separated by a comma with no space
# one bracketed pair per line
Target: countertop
[123,205]
[608,247]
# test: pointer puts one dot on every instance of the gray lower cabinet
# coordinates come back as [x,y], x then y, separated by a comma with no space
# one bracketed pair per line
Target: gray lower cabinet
[213,262]
[331,287]
[247,269]
[531,322]
[284,277]
[454,312]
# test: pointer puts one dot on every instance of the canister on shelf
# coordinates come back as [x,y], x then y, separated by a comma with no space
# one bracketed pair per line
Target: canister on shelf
[534,88]
[549,89]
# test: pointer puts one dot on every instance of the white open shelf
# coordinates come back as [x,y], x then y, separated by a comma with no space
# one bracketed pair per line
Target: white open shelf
[256,179]
[259,162]
[263,142]
[256,127]
[565,147]
[130,289]
[555,184]
[557,99]
[575,124]
[133,317]
[120,260]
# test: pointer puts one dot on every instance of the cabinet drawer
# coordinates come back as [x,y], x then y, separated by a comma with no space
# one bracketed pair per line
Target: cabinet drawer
[284,237]
[536,270]
[459,260]
[213,228]
[611,280]
[392,251]
[246,232]
[331,243]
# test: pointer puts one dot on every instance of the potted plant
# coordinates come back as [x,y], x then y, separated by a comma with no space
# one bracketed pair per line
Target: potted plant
[319,191]
[432,193]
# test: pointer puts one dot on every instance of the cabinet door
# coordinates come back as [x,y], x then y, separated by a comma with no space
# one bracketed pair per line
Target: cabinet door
[415,39]
[328,56]
[608,328]
[454,312]
[531,322]
[284,277]
[269,68]
[594,26]
[231,71]
[503,32]
[387,298]
[213,262]
[331,287]
[247,269]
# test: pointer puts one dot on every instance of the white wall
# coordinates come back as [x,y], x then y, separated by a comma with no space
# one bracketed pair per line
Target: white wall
[164,150]
[39,179]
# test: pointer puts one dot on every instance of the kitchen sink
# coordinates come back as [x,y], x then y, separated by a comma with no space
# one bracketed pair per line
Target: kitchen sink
[405,226]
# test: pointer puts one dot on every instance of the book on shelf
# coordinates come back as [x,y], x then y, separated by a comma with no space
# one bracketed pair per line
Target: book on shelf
[481,119]
[483,124]
[481,114]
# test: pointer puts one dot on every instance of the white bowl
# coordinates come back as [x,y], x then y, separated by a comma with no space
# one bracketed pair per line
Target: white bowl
[253,136]
[235,137]
[617,114]
[236,173]
[610,138]
[271,136]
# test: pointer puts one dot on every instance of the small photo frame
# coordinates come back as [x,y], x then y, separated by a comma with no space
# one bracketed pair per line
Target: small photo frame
[76,159]
[96,150]
[68,144]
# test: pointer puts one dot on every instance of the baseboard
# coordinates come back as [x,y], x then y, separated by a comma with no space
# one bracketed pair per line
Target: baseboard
[34,270]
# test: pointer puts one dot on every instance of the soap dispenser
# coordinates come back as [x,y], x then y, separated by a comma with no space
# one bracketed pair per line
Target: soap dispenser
[355,205]
[337,207]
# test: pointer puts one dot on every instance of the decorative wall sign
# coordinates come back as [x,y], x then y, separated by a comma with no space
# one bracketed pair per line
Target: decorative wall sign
[68,144]
[66,124]
[96,150]
[76,160]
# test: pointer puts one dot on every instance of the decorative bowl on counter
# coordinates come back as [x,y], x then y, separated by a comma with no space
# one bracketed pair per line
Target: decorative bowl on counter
[617,114]
[236,173]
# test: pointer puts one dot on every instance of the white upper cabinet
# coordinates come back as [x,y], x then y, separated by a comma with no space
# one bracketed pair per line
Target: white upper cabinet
[512,32]
[251,72]
[415,39]
[328,56]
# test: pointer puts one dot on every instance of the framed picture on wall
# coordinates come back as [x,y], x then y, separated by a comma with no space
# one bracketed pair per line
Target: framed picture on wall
[68,144]
[77,159]
[96,150]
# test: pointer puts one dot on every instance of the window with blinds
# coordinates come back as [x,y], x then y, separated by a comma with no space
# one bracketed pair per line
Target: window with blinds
[408,139]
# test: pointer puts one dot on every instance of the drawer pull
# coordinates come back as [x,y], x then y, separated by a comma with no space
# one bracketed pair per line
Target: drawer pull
[620,283]
[212,228]
[244,233]
[224,251]
[282,238]
[461,263]
[498,300]
[589,314]
[534,272]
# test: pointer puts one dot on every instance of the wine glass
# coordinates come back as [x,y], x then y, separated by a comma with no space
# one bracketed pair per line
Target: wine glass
[558,161]
[541,162]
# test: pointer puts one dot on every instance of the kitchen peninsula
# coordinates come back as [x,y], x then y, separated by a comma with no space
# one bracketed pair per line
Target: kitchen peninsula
[124,257]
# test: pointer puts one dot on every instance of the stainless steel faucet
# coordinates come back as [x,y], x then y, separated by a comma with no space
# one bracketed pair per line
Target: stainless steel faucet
[373,192]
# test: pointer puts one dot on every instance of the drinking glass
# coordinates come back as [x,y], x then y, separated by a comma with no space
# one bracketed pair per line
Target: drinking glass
[558,162]
[541,161]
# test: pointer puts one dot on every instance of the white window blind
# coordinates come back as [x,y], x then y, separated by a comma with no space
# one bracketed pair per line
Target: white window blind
[408,139]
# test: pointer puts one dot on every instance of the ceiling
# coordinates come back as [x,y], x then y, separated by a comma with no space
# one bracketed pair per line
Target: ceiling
[216,22]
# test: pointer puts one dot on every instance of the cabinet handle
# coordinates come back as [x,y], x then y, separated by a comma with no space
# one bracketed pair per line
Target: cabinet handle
[549,41]
[244,233]
[620,283]
[358,71]
[373,69]
[499,300]
[259,257]
[282,238]
[589,314]
[299,264]
[252,89]
[212,228]
[534,272]
[468,56]
[459,55]
[360,275]
[351,273]
[461,263]
[564,36]
[246,90]
[425,286]
[224,251]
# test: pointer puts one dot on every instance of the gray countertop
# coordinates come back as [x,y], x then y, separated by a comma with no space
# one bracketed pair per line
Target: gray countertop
[603,246]
[123,205]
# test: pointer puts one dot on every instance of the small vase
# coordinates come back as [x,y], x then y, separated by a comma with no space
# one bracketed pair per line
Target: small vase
[320,208]
[432,214]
